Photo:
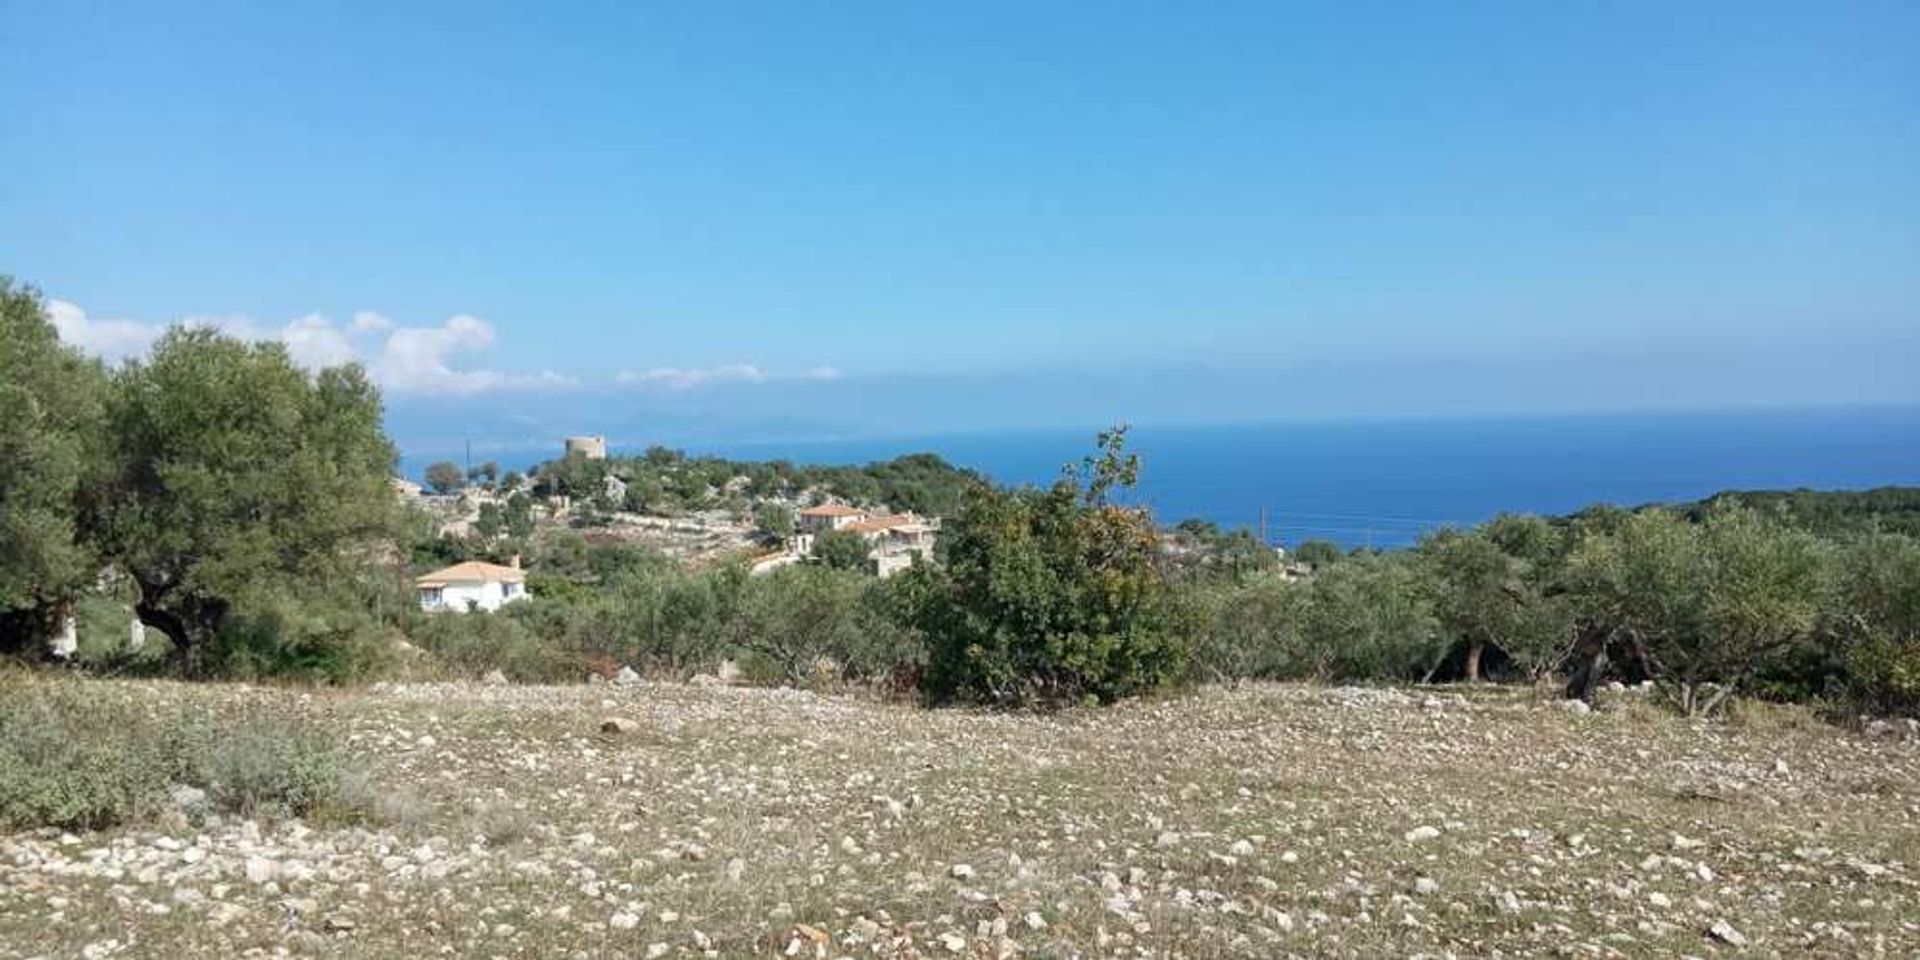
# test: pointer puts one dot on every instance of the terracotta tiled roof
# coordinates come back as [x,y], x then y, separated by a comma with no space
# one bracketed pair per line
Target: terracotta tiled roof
[832,510]
[473,571]
[877,524]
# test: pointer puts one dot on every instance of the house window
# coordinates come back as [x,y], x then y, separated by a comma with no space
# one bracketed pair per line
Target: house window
[431,597]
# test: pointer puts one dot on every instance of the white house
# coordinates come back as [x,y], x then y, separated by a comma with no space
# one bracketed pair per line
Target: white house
[897,540]
[473,585]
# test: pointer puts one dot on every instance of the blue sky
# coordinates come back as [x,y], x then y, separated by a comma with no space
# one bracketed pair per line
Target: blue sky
[737,220]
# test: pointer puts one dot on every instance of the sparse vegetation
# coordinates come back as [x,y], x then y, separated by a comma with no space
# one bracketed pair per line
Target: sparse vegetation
[1251,821]
[79,755]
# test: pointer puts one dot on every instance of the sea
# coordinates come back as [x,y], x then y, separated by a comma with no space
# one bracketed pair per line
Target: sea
[1382,483]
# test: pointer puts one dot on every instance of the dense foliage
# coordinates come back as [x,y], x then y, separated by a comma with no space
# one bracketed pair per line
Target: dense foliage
[1825,512]
[235,481]
[667,482]
[50,416]
[1052,596]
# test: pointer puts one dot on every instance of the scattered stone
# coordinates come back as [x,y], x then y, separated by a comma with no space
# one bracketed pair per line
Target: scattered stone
[494,678]
[260,870]
[1420,833]
[623,921]
[1576,707]
[1034,920]
[1727,934]
[1426,886]
[961,871]
[618,725]
[626,677]
[1241,848]
[189,800]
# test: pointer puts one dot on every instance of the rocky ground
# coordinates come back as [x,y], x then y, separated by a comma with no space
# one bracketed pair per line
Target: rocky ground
[1253,822]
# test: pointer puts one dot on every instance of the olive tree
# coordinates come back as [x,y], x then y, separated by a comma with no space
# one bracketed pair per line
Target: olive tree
[1484,596]
[1709,602]
[444,477]
[233,473]
[50,419]
[1873,619]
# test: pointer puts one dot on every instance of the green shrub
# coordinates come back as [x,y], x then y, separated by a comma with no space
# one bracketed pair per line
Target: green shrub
[265,765]
[807,623]
[472,644]
[77,756]
[1366,619]
[1253,631]
[1714,603]
[1873,621]
[334,637]
[70,762]
[1051,596]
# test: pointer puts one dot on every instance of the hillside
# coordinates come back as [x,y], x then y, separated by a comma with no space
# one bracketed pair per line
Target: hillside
[1258,821]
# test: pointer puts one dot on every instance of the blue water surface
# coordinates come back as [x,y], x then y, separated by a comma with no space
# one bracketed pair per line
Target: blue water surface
[1383,482]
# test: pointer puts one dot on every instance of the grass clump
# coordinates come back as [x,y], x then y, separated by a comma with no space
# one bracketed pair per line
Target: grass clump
[75,759]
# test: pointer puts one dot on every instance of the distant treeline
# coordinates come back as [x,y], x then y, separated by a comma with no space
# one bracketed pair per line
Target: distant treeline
[1825,512]
[666,481]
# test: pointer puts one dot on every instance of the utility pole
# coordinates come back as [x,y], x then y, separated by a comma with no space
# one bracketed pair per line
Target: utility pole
[467,478]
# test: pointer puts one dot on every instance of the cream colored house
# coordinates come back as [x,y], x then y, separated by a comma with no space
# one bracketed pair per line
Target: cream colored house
[819,519]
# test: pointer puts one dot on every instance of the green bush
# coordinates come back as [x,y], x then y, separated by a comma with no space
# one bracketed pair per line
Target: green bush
[1052,596]
[267,765]
[812,623]
[1253,631]
[1873,621]
[336,635]
[79,756]
[1714,603]
[472,644]
[1367,619]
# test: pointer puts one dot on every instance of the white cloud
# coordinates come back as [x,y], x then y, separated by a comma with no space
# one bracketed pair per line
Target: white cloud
[421,360]
[367,321]
[314,342]
[110,339]
[687,378]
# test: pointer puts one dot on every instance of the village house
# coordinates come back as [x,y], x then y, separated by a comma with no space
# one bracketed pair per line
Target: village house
[895,540]
[474,585]
[816,520]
